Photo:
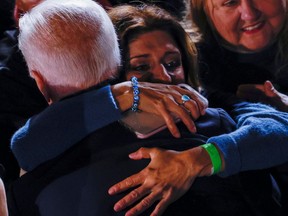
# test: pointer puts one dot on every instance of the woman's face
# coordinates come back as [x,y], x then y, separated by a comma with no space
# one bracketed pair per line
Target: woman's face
[155,57]
[247,24]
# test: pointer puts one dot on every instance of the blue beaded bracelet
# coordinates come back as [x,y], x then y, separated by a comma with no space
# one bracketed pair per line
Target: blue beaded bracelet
[136,98]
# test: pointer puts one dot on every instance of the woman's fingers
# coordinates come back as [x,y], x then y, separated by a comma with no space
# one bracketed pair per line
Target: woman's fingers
[175,113]
[133,197]
[167,101]
[144,204]
[200,102]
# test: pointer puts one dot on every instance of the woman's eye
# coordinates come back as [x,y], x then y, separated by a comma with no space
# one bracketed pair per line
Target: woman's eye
[140,68]
[230,3]
[170,66]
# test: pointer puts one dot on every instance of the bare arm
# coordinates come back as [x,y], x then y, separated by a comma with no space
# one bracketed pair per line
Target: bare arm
[87,110]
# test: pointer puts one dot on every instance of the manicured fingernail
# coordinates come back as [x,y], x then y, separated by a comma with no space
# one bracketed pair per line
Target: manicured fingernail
[194,129]
[117,207]
[177,135]
[132,155]
[111,191]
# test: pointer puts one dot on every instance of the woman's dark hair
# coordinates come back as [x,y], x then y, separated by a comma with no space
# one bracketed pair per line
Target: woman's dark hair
[130,21]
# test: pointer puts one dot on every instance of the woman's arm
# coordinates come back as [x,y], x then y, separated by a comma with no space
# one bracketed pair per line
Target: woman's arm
[42,133]
[259,142]
[95,109]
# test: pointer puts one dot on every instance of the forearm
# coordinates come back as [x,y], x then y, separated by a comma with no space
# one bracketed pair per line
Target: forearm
[259,142]
[122,92]
[62,125]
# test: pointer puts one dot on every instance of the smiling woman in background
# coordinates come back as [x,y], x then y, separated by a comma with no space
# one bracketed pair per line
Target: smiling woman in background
[251,48]
[250,40]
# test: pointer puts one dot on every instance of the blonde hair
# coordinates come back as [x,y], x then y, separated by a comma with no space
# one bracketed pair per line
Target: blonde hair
[202,29]
[200,26]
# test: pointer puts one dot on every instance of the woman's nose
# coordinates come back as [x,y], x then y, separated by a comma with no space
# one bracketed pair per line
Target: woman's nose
[248,10]
[160,74]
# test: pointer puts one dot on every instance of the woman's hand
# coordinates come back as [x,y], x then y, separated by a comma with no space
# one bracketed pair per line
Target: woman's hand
[265,93]
[168,176]
[164,100]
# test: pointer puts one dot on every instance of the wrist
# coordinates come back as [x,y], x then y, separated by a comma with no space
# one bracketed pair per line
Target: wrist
[199,162]
[215,156]
[136,98]
[123,95]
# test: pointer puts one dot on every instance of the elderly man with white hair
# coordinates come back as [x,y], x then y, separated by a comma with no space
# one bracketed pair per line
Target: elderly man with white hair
[70,47]
[57,42]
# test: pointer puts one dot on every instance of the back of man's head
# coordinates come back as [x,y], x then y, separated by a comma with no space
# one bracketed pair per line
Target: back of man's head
[70,43]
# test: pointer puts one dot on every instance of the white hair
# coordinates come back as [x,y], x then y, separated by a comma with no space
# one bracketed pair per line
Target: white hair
[69,42]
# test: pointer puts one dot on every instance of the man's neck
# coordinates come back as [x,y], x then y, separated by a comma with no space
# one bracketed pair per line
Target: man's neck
[59,92]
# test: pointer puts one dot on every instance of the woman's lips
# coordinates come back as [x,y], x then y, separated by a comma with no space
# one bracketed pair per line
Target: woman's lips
[253,28]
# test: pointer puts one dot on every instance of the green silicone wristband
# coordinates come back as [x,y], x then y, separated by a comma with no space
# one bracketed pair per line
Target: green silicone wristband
[214,156]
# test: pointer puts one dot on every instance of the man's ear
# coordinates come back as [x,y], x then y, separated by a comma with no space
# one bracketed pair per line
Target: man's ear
[42,85]
[17,13]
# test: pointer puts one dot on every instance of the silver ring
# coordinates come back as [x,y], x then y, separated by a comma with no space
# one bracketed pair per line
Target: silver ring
[185,98]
